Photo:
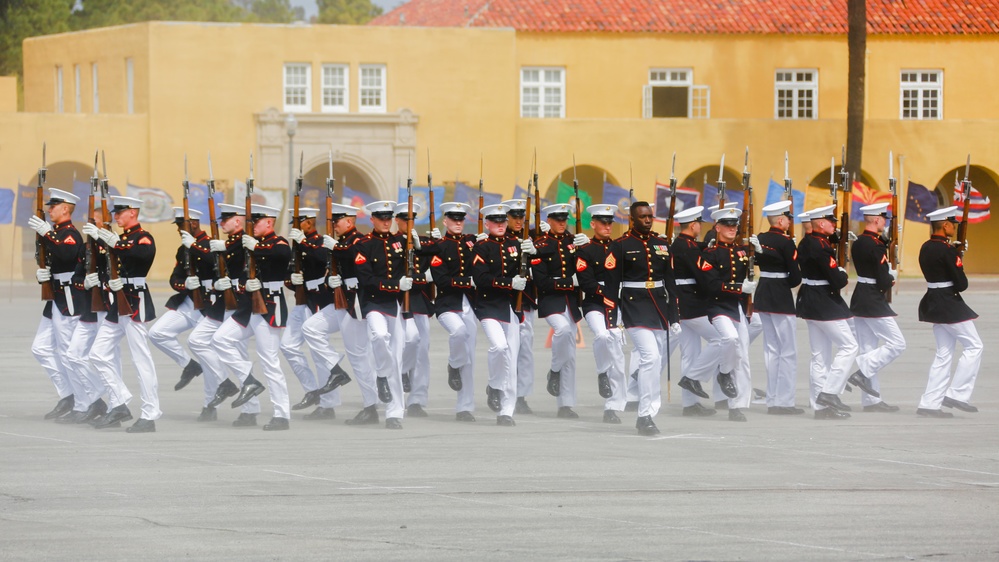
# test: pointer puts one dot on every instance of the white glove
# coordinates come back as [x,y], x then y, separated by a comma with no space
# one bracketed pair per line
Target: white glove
[43,275]
[109,238]
[843,269]
[217,246]
[90,281]
[192,283]
[186,239]
[223,284]
[416,239]
[575,281]
[429,276]
[748,287]
[91,230]
[297,279]
[253,285]
[893,273]
[580,239]
[481,237]
[41,227]
[296,235]
[329,242]
[545,227]
[519,283]
[675,329]
[436,234]
[335,281]
[851,236]
[795,240]
[957,245]
[756,244]
[249,242]
[527,246]
[116,284]
[405,283]
[471,281]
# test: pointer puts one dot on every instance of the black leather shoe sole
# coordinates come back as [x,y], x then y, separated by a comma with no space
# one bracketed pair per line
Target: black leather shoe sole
[963,406]
[692,386]
[505,421]
[831,401]
[861,381]
[311,398]
[464,417]
[493,398]
[277,424]
[142,426]
[225,391]
[407,386]
[384,392]
[931,413]
[367,416]
[338,378]
[604,386]
[727,385]
[554,383]
[454,378]
[611,417]
[62,407]
[247,393]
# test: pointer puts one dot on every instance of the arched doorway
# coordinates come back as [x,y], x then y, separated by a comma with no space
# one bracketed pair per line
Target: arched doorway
[591,181]
[351,187]
[982,236]
[819,194]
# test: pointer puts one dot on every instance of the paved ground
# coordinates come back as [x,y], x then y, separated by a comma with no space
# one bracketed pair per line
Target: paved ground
[877,486]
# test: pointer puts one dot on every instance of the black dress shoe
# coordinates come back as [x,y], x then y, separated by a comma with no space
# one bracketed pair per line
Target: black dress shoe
[311,398]
[848,388]
[117,415]
[190,371]
[721,405]
[784,411]
[604,386]
[963,406]
[338,378]
[251,388]
[506,421]
[727,385]
[367,416]
[96,411]
[245,420]
[692,386]
[881,407]
[225,390]
[75,416]
[554,383]
[384,392]
[320,413]
[416,411]
[62,407]
[393,423]
[406,385]
[646,426]
[142,426]
[277,424]
[454,378]
[566,413]
[522,407]
[831,401]
[492,398]
[208,414]
[931,413]
[610,416]
[863,382]
[631,406]
[464,417]
[736,415]
[830,414]
[697,410]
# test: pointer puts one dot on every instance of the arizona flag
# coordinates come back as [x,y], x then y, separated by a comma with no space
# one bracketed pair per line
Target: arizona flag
[980,206]
[863,196]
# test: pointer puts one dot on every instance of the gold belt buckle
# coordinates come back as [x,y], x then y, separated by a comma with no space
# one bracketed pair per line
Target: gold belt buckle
[650,284]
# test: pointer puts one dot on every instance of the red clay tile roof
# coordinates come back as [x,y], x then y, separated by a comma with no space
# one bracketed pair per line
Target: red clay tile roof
[826,17]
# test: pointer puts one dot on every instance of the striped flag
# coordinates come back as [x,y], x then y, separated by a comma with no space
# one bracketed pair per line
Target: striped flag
[980,208]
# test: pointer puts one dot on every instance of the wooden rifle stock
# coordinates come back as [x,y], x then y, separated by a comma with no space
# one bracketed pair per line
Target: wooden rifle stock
[410,269]
[893,253]
[93,249]
[228,296]
[296,223]
[256,299]
[339,297]
[524,261]
[197,295]
[124,309]
[41,253]
[962,229]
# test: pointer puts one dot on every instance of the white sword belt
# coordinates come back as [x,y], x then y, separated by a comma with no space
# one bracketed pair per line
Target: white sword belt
[774,274]
[940,285]
[272,286]
[867,281]
[208,284]
[137,282]
[641,284]
[314,284]
[63,278]
[686,281]
[814,282]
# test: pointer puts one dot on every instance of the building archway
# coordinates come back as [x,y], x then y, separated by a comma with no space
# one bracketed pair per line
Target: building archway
[591,181]
[983,237]
[708,175]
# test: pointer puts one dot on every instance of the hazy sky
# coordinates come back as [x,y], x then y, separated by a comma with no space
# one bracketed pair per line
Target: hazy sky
[311,9]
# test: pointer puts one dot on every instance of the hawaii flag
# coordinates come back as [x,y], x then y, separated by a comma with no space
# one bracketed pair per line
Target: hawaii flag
[980,206]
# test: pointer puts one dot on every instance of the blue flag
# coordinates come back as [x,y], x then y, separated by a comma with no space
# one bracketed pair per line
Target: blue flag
[616,195]
[686,198]
[711,198]
[775,193]
[25,204]
[470,195]
[197,200]
[421,197]
[919,202]
[6,205]
[520,193]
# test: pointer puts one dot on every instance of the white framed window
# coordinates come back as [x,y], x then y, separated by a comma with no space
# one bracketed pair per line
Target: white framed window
[371,90]
[93,82]
[542,92]
[336,88]
[796,93]
[921,94]
[671,92]
[130,84]
[297,87]
[58,89]
[76,86]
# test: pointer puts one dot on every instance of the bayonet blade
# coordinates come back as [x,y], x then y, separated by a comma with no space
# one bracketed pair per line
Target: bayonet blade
[575,183]
[745,164]
[96,154]
[104,165]
[672,168]
[43,155]
[430,175]
[251,166]
[186,178]
[967,169]
[301,165]
[211,176]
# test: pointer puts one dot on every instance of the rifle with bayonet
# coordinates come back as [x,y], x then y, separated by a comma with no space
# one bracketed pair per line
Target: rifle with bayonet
[432,215]
[962,229]
[844,223]
[41,253]
[721,183]
[895,233]
[789,193]
[537,198]
[93,244]
[197,297]
[256,299]
[296,223]
[227,295]
[339,297]
[124,309]
[579,215]
[410,258]
[482,201]
[525,258]
[746,230]
[672,201]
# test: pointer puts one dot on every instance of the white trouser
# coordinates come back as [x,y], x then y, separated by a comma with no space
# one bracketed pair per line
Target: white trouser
[940,383]
[721,355]
[828,373]
[51,339]
[564,356]
[105,355]
[356,345]
[504,344]
[525,355]
[608,353]
[200,343]
[227,341]
[416,358]
[755,326]
[387,341]
[462,331]
[872,357]
[292,341]
[633,360]
[693,330]
[87,384]
[166,331]
[650,346]
[735,359]
[780,355]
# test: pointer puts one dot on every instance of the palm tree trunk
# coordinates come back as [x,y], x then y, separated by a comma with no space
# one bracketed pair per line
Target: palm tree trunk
[857,43]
